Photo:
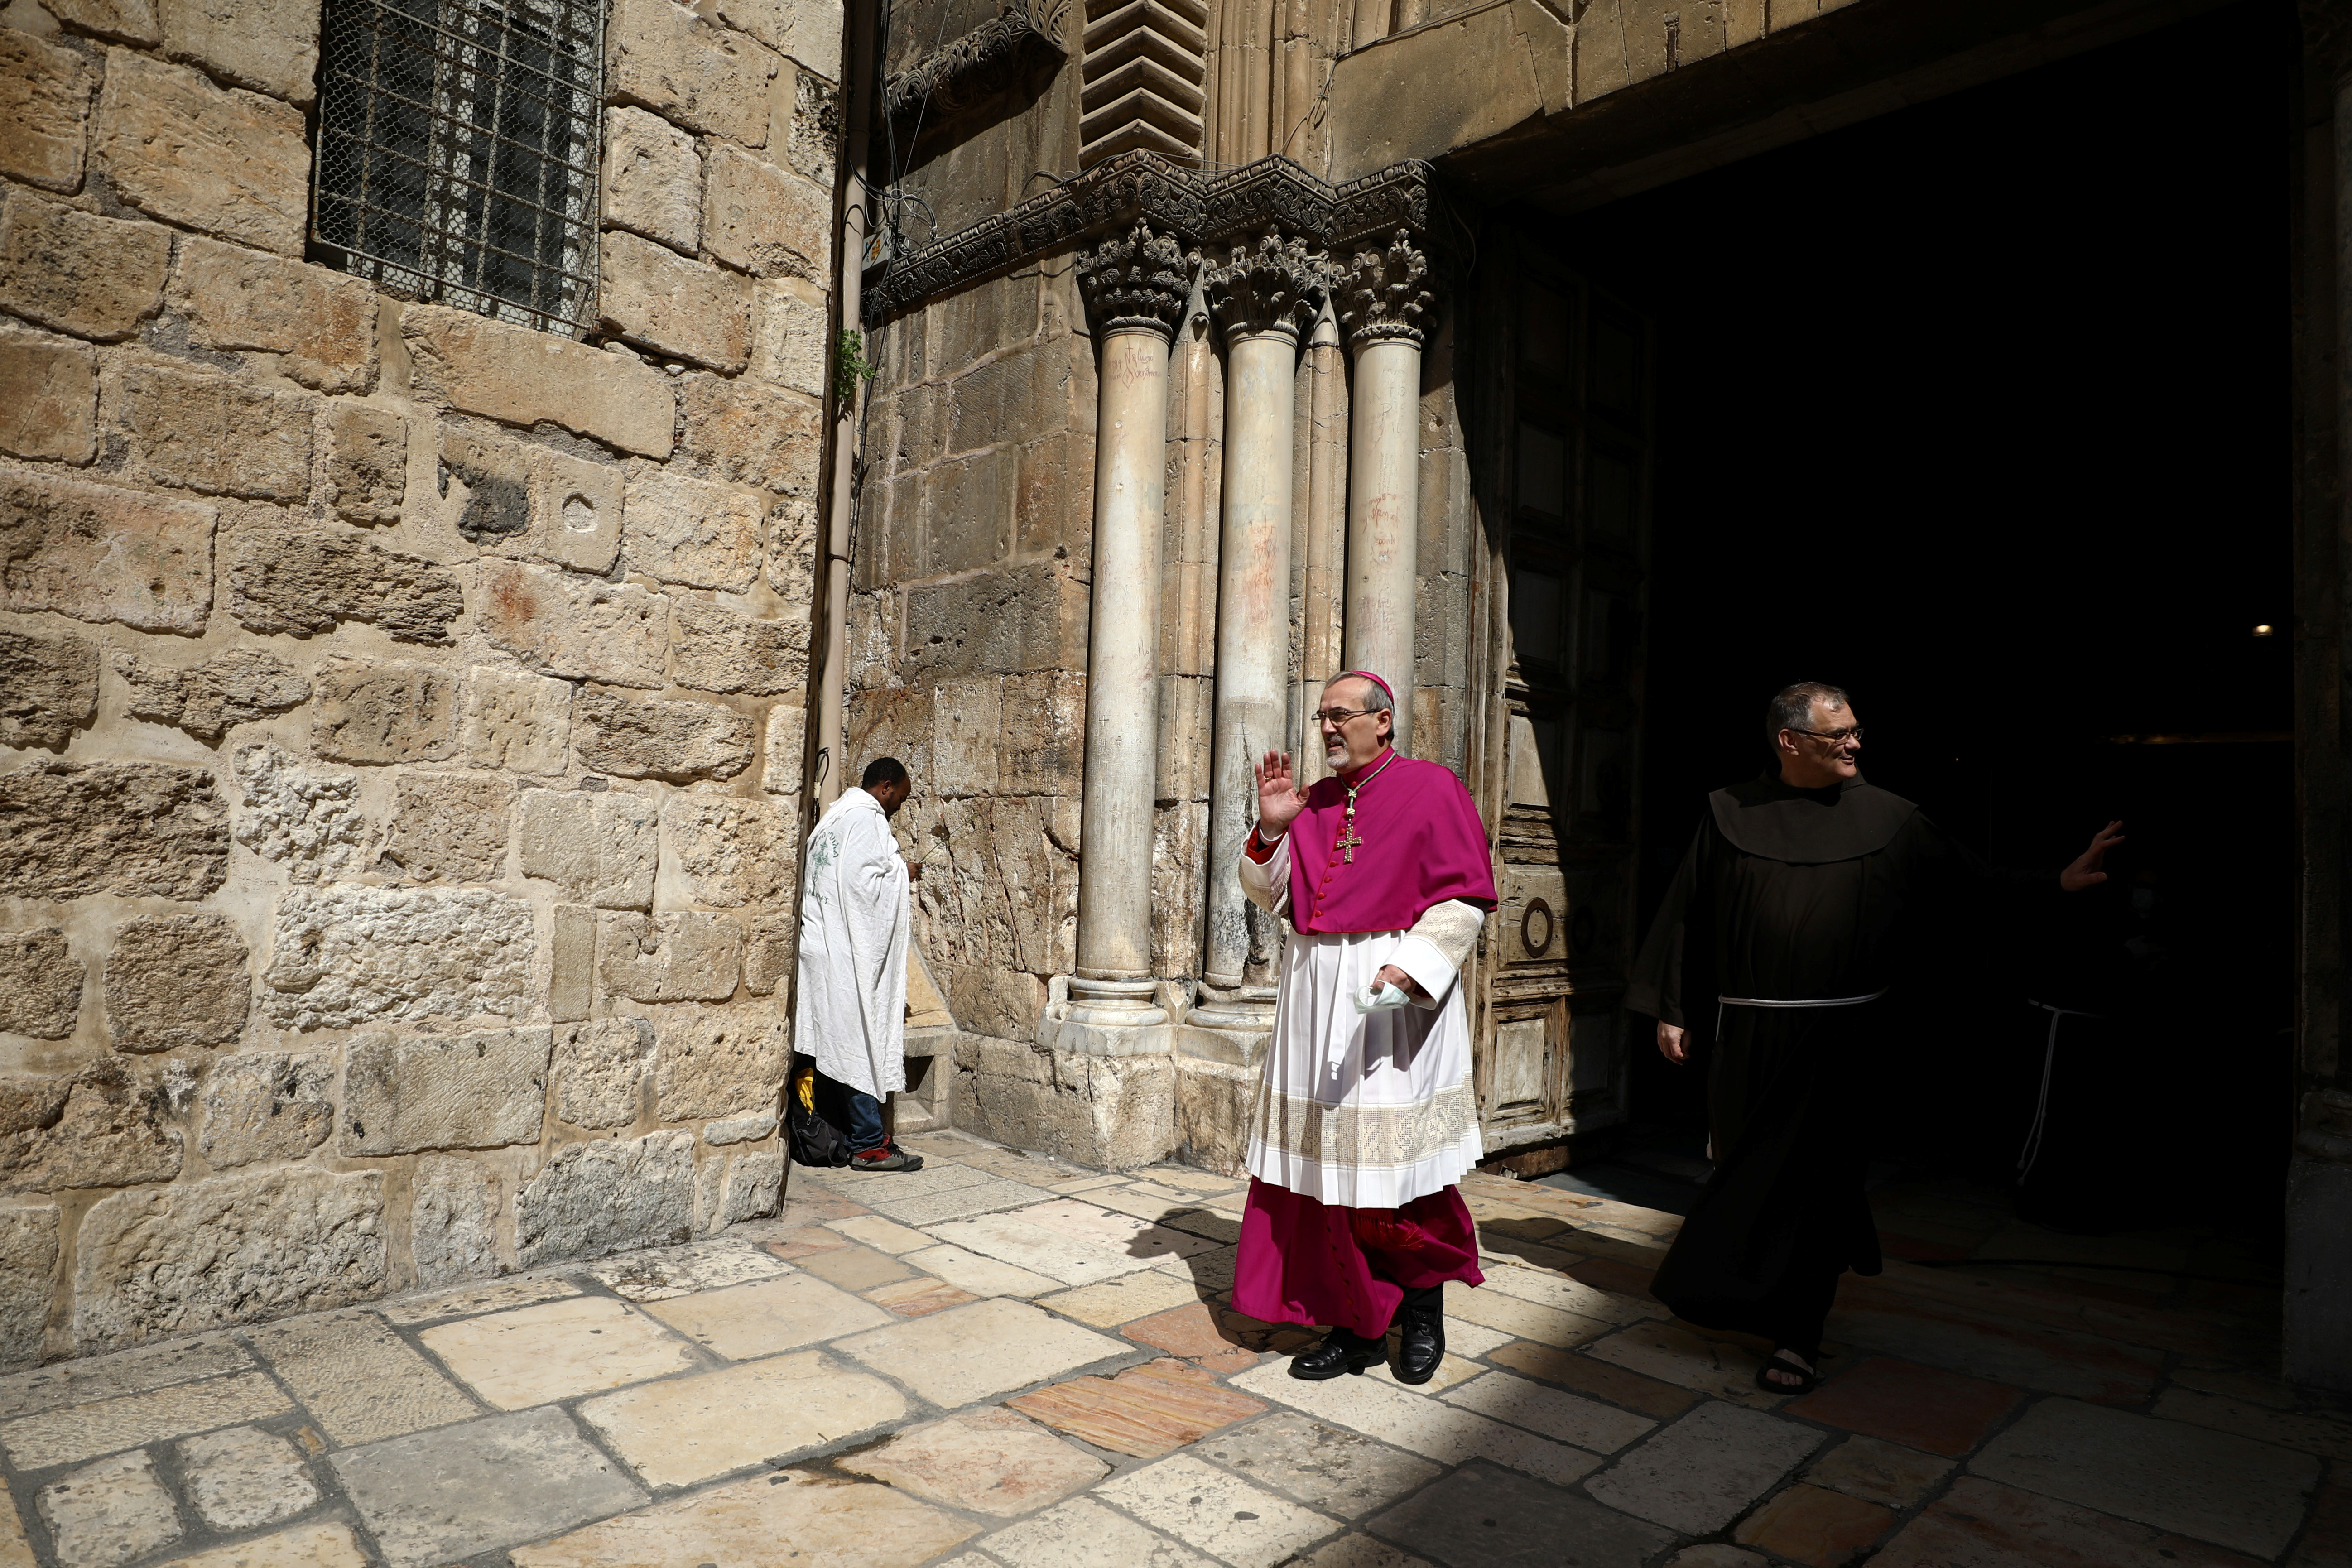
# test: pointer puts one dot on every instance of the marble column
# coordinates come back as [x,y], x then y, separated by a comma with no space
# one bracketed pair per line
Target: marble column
[1135,286]
[1263,297]
[1385,306]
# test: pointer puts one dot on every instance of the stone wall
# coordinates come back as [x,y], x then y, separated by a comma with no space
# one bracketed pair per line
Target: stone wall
[401,712]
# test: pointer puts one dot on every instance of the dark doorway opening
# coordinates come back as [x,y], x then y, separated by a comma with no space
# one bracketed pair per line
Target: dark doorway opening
[1977,410]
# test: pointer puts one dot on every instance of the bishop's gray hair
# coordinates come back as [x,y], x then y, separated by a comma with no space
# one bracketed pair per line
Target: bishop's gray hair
[1793,709]
[1376,697]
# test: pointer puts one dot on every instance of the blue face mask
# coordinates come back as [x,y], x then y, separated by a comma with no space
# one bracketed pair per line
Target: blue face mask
[1378,1000]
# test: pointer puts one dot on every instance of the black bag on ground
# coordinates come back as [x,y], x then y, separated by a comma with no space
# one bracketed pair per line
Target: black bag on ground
[814,1139]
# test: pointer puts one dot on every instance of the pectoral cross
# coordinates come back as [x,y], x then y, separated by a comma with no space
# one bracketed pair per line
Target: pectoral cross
[1348,841]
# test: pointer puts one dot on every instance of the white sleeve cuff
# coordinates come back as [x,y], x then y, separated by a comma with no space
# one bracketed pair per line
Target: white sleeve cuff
[1268,886]
[1431,969]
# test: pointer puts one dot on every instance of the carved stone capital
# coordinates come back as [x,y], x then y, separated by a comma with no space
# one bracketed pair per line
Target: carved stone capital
[1137,279]
[1384,296]
[1273,286]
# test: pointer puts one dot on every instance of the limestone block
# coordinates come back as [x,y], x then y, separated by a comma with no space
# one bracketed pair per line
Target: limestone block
[997,623]
[226,1250]
[29,1272]
[746,1185]
[48,688]
[768,221]
[40,985]
[349,955]
[655,738]
[715,649]
[872,640]
[575,519]
[108,1132]
[599,1070]
[208,699]
[52,410]
[214,433]
[44,112]
[770,946]
[680,957]
[29,1103]
[602,848]
[580,628]
[1006,1002]
[453,1224]
[123,21]
[270,45]
[519,376]
[323,321]
[304,583]
[1006,896]
[174,981]
[571,964]
[754,434]
[816,119]
[231,164]
[485,488]
[367,463]
[749,1127]
[139,829]
[307,817]
[449,827]
[781,748]
[651,295]
[77,272]
[653,178]
[690,532]
[1110,1113]
[966,754]
[243,1477]
[265,1105]
[378,712]
[521,724]
[99,553]
[1044,731]
[731,851]
[790,569]
[788,336]
[898,721]
[807,30]
[720,1062]
[703,76]
[403,1093]
[595,1198]
[109,1513]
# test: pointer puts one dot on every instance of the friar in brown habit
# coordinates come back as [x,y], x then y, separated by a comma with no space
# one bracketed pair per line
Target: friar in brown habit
[1789,918]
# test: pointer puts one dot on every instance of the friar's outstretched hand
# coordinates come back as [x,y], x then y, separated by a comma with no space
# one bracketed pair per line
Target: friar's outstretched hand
[2084,872]
[1279,799]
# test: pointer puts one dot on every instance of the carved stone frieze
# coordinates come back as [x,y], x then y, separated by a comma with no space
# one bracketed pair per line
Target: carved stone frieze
[1384,296]
[981,63]
[1275,285]
[1136,280]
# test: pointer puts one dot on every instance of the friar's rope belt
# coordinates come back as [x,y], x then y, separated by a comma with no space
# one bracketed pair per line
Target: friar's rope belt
[1723,1001]
[2033,1150]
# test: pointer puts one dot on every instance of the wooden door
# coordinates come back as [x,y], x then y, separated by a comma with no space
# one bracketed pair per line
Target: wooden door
[1575,486]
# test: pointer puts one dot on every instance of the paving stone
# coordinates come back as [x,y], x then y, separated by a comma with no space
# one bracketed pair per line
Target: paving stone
[1008,1239]
[659,1273]
[743,1322]
[361,1381]
[882,1235]
[1482,1517]
[1123,1298]
[109,1513]
[1209,1272]
[1197,1330]
[1414,1422]
[801,1240]
[472,1299]
[830,1525]
[1146,1411]
[990,1347]
[244,1478]
[1982,1524]
[2052,1362]
[1359,1552]
[1701,1473]
[556,1349]
[1919,1406]
[1475,1339]
[324,1545]
[982,1276]
[985,1195]
[1526,1319]
[1814,1526]
[1240,1523]
[1716,1555]
[918,1297]
[990,1460]
[432,1498]
[1120,1233]
[15,1552]
[1675,1354]
[2210,1486]
[1325,1466]
[1586,1423]
[857,1267]
[1083,1533]
[1563,1293]
[1880,1472]
[94,1378]
[2328,1437]
[688,1430]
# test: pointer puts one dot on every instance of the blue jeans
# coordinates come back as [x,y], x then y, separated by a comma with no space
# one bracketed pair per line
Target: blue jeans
[864,1121]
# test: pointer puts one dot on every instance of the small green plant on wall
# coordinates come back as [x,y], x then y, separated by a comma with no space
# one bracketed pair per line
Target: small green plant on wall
[850,365]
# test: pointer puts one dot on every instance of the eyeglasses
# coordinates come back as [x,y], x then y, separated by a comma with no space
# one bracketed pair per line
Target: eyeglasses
[1339,715]
[1834,737]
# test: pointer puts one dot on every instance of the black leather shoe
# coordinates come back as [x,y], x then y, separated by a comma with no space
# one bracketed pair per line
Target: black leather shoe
[1421,1342]
[1340,1351]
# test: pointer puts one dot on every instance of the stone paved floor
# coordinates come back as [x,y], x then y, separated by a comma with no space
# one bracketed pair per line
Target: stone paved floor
[1001,1363]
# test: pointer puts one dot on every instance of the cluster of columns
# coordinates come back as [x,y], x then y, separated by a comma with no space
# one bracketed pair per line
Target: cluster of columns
[1265,294]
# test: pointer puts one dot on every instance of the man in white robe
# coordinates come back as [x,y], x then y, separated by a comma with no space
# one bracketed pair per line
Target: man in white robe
[854,921]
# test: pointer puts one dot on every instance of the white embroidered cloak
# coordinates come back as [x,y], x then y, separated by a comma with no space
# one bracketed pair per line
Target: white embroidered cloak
[854,920]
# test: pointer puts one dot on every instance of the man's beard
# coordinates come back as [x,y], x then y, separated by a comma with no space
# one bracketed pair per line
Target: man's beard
[1335,755]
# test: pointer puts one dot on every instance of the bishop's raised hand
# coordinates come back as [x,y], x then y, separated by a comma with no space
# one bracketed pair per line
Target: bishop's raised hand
[2085,872]
[1279,799]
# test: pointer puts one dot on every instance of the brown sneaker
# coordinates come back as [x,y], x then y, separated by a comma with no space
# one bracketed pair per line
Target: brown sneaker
[888,1157]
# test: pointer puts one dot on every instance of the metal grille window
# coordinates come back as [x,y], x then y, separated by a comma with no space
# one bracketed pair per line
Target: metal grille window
[458,141]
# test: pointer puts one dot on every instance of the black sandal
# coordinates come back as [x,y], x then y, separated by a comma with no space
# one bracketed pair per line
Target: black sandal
[1790,1362]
